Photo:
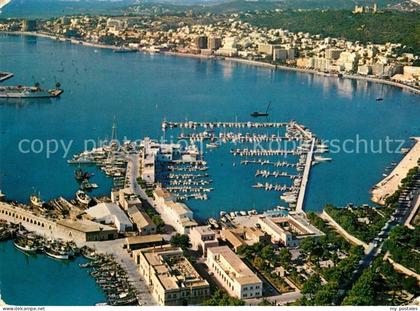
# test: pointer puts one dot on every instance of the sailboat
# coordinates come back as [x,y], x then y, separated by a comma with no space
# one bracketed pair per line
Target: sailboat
[257,114]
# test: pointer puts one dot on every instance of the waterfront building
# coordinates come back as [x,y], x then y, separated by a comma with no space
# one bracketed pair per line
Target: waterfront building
[162,196]
[214,43]
[176,214]
[85,230]
[126,199]
[69,230]
[364,70]
[142,221]
[235,276]
[332,53]
[279,54]
[110,213]
[144,241]
[28,25]
[230,43]
[268,49]
[183,220]
[172,278]
[154,153]
[289,230]
[237,237]
[203,237]
[200,42]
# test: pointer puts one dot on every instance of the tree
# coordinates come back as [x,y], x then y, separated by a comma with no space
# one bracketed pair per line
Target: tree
[181,240]
[157,220]
[259,263]
[221,298]
[267,252]
[311,286]
[264,302]
[363,291]
[326,294]
[285,257]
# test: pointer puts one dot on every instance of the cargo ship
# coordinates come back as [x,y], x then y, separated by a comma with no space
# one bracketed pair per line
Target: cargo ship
[36,91]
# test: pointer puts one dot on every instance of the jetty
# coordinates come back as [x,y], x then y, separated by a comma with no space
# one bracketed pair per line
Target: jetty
[305,177]
[390,183]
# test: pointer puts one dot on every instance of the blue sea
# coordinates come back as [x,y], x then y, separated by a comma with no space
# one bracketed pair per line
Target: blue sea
[140,90]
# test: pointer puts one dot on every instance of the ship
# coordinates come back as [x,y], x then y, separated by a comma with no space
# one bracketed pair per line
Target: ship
[257,114]
[36,91]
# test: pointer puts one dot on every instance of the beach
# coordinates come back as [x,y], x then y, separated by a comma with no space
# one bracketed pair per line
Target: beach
[3,3]
[389,184]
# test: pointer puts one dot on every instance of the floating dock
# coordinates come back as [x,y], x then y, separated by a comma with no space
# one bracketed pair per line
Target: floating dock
[390,183]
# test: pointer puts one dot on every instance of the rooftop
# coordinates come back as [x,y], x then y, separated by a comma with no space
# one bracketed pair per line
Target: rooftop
[172,269]
[84,225]
[233,265]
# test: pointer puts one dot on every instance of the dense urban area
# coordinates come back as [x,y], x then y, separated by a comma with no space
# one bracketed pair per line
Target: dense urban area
[262,37]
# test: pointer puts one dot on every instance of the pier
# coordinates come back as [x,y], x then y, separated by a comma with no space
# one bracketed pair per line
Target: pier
[390,183]
[305,177]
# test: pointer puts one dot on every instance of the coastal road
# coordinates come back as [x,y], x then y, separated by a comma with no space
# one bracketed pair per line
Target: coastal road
[115,248]
[407,202]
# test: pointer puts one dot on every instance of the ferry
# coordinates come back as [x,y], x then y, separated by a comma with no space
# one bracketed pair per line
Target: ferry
[20,91]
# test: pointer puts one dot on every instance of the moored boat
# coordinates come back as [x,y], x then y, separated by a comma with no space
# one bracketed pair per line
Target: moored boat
[36,200]
[57,254]
[26,246]
[82,197]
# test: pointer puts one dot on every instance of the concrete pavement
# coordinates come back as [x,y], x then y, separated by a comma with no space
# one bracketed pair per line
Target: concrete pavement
[114,247]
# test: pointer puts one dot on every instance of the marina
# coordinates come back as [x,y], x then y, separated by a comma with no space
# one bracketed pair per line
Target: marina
[300,143]
[182,170]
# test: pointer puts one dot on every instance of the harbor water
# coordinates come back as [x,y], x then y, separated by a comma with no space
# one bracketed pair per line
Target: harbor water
[39,280]
[139,91]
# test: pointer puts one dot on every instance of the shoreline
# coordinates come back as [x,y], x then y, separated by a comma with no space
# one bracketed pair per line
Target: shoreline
[260,64]
[388,185]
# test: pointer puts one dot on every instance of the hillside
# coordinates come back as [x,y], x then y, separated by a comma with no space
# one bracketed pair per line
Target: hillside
[390,26]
